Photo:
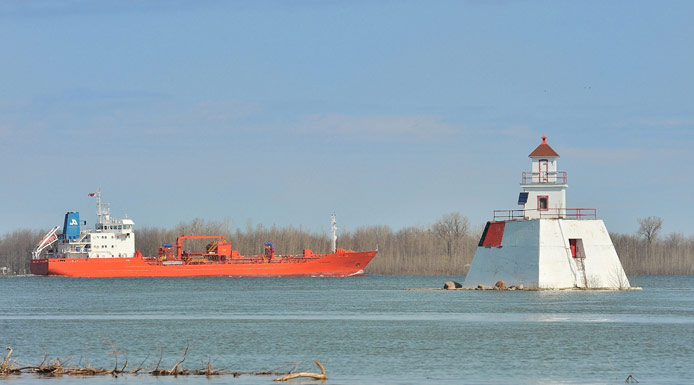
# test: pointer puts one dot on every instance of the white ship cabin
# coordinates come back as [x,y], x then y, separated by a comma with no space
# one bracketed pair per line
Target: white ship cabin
[111,237]
[545,244]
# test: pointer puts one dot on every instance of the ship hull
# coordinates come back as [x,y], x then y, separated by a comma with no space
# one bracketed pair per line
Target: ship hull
[331,265]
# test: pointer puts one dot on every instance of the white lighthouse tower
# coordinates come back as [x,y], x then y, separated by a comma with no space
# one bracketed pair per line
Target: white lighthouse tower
[546,245]
[544,188]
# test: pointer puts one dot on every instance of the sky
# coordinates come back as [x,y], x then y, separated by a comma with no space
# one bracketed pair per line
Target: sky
[384,112]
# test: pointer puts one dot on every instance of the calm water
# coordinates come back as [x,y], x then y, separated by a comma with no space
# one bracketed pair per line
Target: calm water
[363,329]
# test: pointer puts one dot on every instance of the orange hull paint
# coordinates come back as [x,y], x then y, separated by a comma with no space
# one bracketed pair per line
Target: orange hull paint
[331,265]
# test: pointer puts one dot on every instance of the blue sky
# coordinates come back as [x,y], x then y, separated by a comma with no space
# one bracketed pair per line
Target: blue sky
[385,112]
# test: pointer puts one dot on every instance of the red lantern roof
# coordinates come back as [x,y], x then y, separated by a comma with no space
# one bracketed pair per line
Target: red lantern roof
[544,149]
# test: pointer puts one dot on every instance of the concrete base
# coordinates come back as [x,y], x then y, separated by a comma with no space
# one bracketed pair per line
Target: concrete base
[538,254]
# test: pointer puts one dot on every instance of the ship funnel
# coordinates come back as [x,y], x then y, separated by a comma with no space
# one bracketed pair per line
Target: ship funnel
[71,226]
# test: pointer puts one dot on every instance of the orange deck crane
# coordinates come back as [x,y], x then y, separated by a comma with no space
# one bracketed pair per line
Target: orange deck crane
[221,247]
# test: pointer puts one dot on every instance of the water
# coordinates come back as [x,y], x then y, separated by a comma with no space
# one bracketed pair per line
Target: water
[365,330]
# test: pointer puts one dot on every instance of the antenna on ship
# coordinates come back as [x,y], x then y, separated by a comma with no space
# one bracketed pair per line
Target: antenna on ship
[98,204]
[102,209]
[333,228]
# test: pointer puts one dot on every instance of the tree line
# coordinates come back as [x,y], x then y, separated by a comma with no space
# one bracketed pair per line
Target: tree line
[445,247]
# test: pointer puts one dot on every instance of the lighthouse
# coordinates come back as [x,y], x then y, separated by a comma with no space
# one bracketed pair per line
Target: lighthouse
[544,188]
[546,245]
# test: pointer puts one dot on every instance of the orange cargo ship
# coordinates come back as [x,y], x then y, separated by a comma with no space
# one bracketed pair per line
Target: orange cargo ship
[109,251]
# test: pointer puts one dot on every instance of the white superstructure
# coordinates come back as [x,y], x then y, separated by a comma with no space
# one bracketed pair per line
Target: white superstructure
[111,237]
[546,245]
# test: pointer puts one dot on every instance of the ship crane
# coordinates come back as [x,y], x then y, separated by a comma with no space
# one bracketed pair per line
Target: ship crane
[180,244]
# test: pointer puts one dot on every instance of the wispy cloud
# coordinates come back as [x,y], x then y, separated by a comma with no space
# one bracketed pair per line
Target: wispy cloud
[656,125]
[667,122]
[4,131]
[58,8]
[517,131]
[88,112]
[98,96]
[608,154]
[223,110]
[377,127]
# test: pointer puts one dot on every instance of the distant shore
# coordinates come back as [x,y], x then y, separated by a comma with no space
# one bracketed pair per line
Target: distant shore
[445,248]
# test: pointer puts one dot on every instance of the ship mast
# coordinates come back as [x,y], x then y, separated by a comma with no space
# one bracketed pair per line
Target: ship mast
[102,209]
[333,228]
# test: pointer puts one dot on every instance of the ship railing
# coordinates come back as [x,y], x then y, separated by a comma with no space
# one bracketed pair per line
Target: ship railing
[556,213]
[530,177]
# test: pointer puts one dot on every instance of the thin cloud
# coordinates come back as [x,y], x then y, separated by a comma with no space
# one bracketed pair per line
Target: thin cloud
[377,127]
[60,8]
[518,131]
[223,110]
[668,122]
[122,112]
[609,154]
[4,131]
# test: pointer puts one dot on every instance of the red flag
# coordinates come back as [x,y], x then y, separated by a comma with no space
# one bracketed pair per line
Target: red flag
[92,194]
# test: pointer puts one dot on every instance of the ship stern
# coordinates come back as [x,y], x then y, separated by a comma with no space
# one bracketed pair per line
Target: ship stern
[39,267]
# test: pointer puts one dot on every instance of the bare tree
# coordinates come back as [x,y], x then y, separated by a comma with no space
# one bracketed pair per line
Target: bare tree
[451,228]
[649,228]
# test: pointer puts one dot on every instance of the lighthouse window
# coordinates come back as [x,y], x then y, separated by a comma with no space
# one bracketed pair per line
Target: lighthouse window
[543,203]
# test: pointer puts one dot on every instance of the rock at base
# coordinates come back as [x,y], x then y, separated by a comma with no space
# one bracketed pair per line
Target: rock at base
[451,285]
[500,285]
[480,287]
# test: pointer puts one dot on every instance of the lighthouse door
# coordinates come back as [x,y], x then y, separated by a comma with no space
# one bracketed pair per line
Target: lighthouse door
[544,171]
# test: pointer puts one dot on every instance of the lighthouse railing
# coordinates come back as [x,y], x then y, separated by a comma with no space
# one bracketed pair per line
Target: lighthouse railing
[530,177]
[557,213]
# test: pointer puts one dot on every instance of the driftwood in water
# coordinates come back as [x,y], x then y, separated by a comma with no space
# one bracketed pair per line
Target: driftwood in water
[7,366]
[315,376]
[59,367]
[176,370]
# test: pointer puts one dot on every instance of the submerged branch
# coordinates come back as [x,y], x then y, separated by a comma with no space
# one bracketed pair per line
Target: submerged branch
[58,367]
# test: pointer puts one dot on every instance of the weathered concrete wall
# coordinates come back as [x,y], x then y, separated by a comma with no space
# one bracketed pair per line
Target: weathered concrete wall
[557,267]
[602,265]
[515,262]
